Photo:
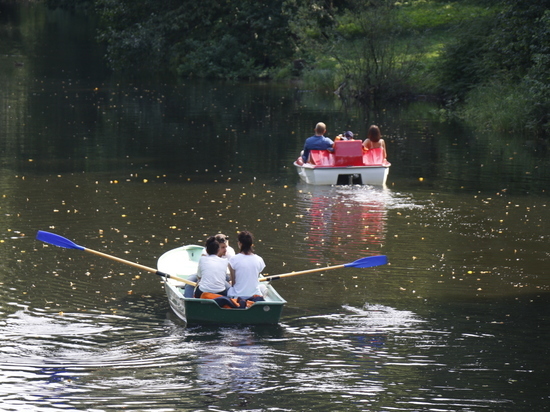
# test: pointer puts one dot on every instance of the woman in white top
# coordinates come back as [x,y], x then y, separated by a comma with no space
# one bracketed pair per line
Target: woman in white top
[245,268]
[212,271]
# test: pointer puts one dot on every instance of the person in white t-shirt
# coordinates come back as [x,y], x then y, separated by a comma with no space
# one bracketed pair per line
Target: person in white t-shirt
[225,252]
[245,268]
[212,271]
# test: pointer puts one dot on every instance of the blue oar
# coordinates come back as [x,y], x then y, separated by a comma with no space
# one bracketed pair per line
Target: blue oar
[60,241]
[365,262]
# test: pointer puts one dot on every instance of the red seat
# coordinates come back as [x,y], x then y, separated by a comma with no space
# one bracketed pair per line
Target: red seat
[374,157]
[348,153]
[321,157]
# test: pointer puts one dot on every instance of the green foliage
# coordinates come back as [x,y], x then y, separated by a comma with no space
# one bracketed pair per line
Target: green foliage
[461,68]
[208,38]
[498,106]
[72,5]
[510,53]
[322,77]
[375,54]
[437,15]
[363,50]
[515,37]
[537,81]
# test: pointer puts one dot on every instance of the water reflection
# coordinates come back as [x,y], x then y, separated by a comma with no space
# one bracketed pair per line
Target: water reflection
[351,352]
[232,360]
[340,220]
[373,358]
[367,357]
[84,359]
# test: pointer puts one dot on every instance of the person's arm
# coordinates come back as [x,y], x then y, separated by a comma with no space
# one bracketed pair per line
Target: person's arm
[384,148]
[305,154]
[231,274]
[199,271]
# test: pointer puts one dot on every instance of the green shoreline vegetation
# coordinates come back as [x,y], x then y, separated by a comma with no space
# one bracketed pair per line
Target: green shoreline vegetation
[486,61]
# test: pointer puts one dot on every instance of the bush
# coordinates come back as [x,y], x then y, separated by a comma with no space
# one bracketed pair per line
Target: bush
[207,38]
[322,79]
[461,67]
[499,107]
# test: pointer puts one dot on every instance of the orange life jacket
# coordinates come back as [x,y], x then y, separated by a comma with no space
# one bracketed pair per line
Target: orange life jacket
[232,303]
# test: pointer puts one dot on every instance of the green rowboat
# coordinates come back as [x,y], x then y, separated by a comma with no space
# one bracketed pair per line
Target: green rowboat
[183,262]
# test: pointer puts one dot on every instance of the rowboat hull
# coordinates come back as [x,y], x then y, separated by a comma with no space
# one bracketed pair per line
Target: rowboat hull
[207,311]
[345,175]
[183,262]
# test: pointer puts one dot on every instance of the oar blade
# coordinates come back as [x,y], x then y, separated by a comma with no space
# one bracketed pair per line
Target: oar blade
[57,240]
[368,262]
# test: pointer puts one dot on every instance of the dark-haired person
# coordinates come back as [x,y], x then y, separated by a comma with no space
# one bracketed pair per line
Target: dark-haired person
[345,136]
[226,251]
[374,140]
[212,271]
[245,268]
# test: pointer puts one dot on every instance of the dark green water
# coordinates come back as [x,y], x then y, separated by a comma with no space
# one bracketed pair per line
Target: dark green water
[457,322]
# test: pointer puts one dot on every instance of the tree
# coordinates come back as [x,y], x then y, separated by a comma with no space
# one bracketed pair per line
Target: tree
[209,38]
[506,57]
[372,47]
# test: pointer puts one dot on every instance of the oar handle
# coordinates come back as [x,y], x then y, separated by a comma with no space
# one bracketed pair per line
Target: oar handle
[302,272]
[166,275]
[138,266]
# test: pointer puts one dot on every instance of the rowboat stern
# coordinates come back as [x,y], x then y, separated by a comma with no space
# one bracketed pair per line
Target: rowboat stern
[207,311]
[183,262]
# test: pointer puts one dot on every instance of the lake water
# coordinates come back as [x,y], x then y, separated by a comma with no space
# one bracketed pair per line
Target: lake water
[458,321]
